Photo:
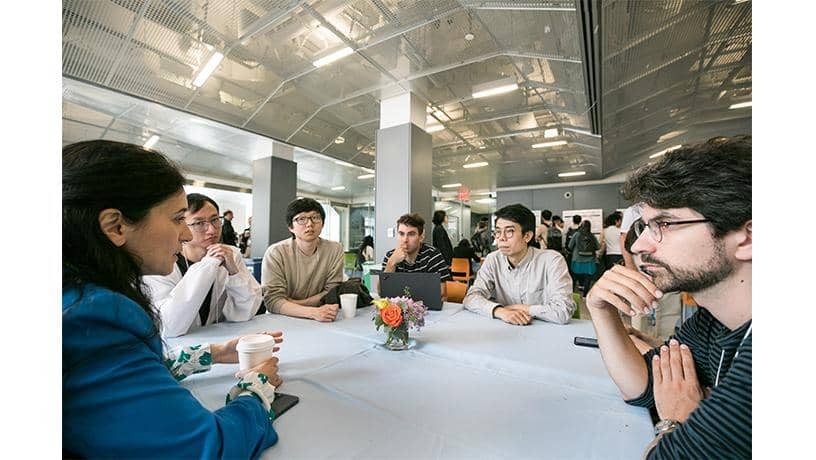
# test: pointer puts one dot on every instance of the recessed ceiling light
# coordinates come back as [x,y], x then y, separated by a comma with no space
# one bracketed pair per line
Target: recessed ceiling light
[452,185]
[339,140]
[341,187]
[475,165]
[365,176]
[151,142]
[339,54]
[549,144]
[469,36]
[664,151]
[208,69]
[570,174]
[741,105]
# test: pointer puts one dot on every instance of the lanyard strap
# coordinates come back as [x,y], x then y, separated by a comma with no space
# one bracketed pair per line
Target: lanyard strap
[722,355]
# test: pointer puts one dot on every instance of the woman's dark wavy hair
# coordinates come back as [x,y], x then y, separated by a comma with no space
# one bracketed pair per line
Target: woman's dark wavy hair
[98,175]
[713,178]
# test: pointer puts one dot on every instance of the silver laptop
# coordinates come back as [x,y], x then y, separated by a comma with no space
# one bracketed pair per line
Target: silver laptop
[423,286]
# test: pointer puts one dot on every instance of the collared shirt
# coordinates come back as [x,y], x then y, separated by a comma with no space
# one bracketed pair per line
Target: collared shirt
[428,260]
[720,427]
[540,280]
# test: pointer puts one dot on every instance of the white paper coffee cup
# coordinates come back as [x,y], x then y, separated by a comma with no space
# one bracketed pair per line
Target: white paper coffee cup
[254,349]
[348,302]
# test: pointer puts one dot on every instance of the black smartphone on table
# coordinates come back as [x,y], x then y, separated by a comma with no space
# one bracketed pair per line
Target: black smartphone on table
[586,342]
[282,403]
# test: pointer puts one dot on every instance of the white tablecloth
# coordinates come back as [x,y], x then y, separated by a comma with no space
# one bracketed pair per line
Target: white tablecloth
[473,387]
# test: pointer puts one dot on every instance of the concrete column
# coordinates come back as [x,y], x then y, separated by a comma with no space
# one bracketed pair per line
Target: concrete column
[404,165]
[274,186]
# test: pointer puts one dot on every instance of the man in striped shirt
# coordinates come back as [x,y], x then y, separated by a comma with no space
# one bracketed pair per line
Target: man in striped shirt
[412,255]
[694,235]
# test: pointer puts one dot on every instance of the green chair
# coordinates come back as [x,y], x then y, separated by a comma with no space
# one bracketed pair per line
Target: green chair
[576,297]
[350,263]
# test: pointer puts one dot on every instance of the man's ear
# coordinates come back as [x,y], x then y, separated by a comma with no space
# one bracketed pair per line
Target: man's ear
[113,225]
[531,234]
[744,242]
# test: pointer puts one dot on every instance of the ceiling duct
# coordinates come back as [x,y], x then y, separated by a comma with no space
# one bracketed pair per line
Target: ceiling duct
[589,13]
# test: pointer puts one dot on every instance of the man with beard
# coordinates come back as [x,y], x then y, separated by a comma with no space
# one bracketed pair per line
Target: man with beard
[700,380]
[209,283]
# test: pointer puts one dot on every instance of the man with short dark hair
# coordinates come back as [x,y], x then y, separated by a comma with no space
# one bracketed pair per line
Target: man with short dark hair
[694,235]
[541,230]
[413,255]
[519,282]
[298,271]
[209,283]
[228,234]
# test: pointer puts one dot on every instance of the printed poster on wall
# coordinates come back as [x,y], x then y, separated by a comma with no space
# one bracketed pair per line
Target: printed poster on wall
[595,217]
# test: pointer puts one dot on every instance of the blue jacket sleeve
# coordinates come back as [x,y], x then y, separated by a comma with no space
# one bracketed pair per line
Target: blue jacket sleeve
[119,400]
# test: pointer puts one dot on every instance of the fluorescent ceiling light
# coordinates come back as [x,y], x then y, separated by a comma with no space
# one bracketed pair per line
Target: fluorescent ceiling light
[740,105]
[368,170]
[495,91]
[493,88]
[475,165]
[341,187]
[343,163]
[452,185]
[552,132]
[665,151]
[549,144]
[151,142]
[339,54]
[570,174]
[365,176]
[339,140]
[485,200]
[208,69]
[434,128]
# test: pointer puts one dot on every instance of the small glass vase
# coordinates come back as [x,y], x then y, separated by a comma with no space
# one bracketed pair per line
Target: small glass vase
[397,339]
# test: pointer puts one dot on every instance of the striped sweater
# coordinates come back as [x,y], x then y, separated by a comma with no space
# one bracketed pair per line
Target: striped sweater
[428,260]
[720,427]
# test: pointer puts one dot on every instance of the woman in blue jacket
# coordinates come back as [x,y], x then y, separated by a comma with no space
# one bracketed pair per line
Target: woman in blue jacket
[123,217]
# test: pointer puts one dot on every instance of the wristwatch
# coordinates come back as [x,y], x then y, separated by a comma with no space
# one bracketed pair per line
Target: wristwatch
[666,426]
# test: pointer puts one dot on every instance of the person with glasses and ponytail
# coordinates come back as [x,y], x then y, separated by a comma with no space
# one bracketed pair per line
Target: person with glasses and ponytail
[299,271]
[210,282]
[694,235]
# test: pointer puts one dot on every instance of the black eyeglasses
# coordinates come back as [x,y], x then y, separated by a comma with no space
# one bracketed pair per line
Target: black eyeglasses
[303,219]
[201,226]
[656,226]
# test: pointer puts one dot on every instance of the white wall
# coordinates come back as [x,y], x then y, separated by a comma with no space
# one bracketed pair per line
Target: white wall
[239,203]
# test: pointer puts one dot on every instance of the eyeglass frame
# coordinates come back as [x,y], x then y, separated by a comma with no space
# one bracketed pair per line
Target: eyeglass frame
[315,219]
[195,226]
[657,235]
[506,232]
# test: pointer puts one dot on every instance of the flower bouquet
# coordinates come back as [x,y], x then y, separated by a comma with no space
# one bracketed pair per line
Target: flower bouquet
[397,315]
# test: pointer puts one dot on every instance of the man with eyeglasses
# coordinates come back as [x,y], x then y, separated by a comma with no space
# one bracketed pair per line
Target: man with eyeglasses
[298,271]
[694,235]
[210,282]
[519,282]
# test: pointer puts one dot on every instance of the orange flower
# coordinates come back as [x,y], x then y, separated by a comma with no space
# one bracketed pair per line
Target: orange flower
[391,315]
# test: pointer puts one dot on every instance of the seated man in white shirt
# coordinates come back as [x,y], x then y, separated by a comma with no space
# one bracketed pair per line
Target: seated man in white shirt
[518,282]
[209,283]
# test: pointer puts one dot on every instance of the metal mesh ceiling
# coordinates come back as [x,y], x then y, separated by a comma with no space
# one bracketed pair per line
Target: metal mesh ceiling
[668,67]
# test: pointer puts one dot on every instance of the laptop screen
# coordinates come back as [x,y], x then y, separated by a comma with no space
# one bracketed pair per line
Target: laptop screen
[422,286]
